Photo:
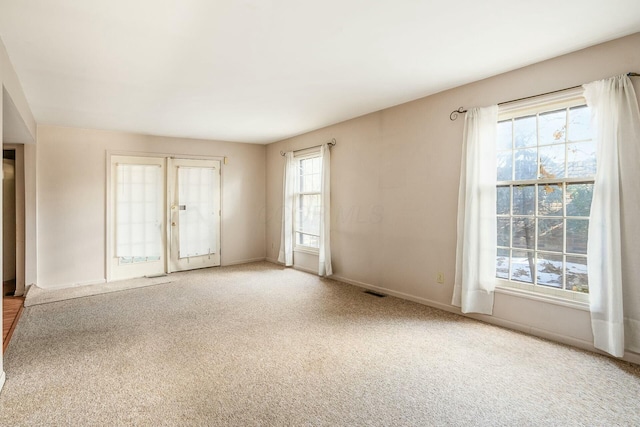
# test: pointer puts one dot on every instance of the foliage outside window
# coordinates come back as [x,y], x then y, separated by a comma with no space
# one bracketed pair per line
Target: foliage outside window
[308,201]
[546,163]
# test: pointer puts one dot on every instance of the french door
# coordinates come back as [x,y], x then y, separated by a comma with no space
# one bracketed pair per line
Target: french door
[194,194]
[164,215]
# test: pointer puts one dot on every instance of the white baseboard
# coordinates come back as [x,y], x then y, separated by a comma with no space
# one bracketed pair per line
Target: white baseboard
[72,285]
[549,335]
[295,267]
[102,281]
[402,295]
[243,261]
[3,377]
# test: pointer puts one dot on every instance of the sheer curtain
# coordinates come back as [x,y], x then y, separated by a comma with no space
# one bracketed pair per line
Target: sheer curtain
[286,241]
[138,210]
[197,216]
[614,231]
[324,267]
[476,244]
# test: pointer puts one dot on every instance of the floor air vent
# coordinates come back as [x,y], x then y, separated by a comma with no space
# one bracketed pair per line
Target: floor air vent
[375,294]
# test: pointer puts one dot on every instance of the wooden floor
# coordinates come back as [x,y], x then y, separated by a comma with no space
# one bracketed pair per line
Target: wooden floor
[11,311]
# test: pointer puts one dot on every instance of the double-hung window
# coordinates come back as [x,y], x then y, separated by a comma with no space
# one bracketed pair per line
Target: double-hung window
[546,164]
[308,201]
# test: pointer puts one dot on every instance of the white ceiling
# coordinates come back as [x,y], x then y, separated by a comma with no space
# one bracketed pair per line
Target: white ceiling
[263,70]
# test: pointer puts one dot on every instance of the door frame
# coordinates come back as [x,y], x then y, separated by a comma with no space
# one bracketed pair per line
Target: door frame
[20,214]
[109,226]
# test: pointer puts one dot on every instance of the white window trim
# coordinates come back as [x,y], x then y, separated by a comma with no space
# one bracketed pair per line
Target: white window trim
[565,99]
[507,288]
[530,106]
[306,154]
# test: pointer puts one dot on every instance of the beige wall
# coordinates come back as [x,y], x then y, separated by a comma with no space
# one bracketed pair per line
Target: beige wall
[11,84]
[30,219]
[11,87]
[394,184]
[71,173]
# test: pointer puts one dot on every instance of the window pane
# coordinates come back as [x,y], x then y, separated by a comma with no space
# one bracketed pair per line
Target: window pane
[309,174]
[523,233]
[303,183]
[504,165]
[542,227]
[577,231]
[581,159]
[504,231]
[550,234]
[308,240]
[306,165]
[303,166]
[502,264]
[578,199]
[522,265]
[524,201]
[579,124]
[310,183]
[505,135]
[549,270]
[550,199]
[577,278]
[524,130]
[552,161]
[552,127]
[526,164]
[503,200]
[308,213]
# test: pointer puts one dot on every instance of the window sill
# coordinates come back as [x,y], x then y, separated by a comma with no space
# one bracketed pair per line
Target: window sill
[537,296]
[306,250]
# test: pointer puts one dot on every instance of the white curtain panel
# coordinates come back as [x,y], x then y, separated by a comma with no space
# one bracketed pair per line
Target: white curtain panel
[286,241]
[614,231]
[476,250]
[138,210]
[324,266]
[197,214]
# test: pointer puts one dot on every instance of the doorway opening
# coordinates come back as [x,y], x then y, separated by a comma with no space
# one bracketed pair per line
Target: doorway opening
[9,235]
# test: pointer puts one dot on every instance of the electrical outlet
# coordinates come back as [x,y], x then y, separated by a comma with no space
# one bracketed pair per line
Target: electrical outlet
[440,277]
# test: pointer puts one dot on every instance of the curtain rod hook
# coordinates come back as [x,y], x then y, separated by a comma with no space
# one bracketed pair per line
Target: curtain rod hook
[454,114]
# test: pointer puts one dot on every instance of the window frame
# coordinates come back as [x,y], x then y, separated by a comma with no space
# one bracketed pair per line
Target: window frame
[298,157]
[534,106]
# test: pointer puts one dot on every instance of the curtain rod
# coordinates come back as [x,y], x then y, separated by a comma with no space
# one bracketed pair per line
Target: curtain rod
[331,143]
[454,114]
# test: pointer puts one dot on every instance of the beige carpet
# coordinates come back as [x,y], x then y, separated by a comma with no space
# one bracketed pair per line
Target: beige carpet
[258,345]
